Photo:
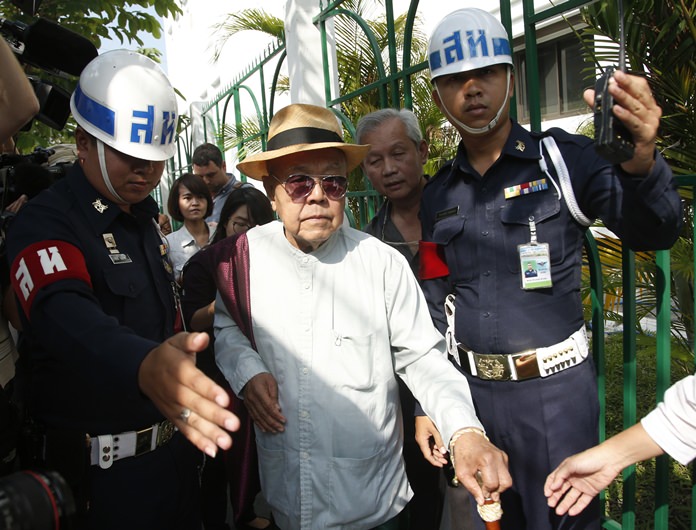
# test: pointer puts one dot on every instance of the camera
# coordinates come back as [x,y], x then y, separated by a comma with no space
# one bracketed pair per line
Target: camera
[54,49]
[27,174]
[613,141]
[38,497]
[35,500]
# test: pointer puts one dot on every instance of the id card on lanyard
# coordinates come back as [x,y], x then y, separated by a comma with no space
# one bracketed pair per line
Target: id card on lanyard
[535,262]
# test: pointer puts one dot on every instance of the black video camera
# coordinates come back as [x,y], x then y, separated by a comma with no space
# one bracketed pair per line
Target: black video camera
[35,500]
[26,174]
[613,140]
[50,47]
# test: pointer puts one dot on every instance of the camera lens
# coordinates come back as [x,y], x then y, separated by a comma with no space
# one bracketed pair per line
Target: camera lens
[32,500]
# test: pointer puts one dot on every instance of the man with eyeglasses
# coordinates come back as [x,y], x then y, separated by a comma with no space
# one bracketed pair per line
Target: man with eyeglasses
[313,322]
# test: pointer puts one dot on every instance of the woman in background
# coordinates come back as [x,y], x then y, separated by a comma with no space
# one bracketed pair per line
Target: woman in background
[190,203]
[244,208]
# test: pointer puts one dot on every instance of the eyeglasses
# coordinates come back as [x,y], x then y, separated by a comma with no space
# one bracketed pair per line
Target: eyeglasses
[239,227]
[300,186]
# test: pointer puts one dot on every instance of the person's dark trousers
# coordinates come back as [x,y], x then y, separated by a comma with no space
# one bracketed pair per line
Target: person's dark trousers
[424,509]
[214,478]
[233,473]
[155,491]
[214,499]
[538,423]
[460,510]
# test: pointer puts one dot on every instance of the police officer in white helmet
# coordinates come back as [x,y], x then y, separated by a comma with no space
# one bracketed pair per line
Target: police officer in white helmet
[501,206]
[111,388]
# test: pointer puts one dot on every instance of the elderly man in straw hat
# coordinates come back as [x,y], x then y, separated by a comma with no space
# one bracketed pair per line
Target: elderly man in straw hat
[313,322]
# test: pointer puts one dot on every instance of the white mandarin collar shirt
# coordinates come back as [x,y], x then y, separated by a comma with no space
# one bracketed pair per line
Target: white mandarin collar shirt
[335,327]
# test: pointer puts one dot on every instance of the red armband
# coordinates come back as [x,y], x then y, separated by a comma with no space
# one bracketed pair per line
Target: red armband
[42,264]
[432,261]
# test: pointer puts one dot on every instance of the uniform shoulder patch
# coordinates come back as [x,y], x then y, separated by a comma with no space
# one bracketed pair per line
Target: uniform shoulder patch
[43,263]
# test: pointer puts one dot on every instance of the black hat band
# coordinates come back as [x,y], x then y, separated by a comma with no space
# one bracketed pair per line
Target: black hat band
[302,135]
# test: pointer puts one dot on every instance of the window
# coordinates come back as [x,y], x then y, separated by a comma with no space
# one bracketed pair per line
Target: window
[562,70]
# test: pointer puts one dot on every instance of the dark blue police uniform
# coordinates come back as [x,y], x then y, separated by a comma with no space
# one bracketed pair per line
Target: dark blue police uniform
[97,297]
[538,421]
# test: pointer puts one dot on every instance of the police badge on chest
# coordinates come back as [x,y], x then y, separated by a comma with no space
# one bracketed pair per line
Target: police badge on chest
[116,257]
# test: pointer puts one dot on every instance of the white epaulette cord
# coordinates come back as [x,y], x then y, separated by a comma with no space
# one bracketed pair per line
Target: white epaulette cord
[563,177]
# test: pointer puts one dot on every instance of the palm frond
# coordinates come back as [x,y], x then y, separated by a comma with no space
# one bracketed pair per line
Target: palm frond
[247,20]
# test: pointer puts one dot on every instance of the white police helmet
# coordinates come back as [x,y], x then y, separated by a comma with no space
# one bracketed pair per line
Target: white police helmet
[124,99]
[467,39]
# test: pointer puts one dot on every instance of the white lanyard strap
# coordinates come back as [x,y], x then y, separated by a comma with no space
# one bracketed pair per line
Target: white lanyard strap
[450,338]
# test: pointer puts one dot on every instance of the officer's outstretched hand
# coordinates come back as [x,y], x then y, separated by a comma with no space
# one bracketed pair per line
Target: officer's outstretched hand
[481,467]
[185,395]
[637,109]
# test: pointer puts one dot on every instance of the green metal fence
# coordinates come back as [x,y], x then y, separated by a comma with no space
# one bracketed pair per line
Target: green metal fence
[250,95]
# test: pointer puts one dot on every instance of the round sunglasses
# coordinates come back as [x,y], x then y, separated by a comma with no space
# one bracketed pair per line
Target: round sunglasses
[300,186]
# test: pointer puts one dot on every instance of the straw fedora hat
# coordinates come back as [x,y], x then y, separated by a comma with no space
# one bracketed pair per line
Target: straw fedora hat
[297,128]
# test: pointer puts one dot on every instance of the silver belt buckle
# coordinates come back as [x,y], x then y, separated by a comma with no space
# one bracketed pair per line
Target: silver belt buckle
[494,367]
[165,432]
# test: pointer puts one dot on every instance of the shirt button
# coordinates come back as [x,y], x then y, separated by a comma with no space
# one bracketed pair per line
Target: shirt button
[304,414]
[304,455]
[486,273]
[486,314]
[306,286]
[305,371]
[484,233]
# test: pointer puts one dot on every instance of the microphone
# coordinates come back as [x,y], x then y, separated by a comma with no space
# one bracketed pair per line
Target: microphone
[50,46]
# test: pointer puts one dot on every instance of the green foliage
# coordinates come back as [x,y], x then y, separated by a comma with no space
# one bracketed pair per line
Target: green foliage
[126,20]
[247,20]
[660,43]
[248,133]
[123,20]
